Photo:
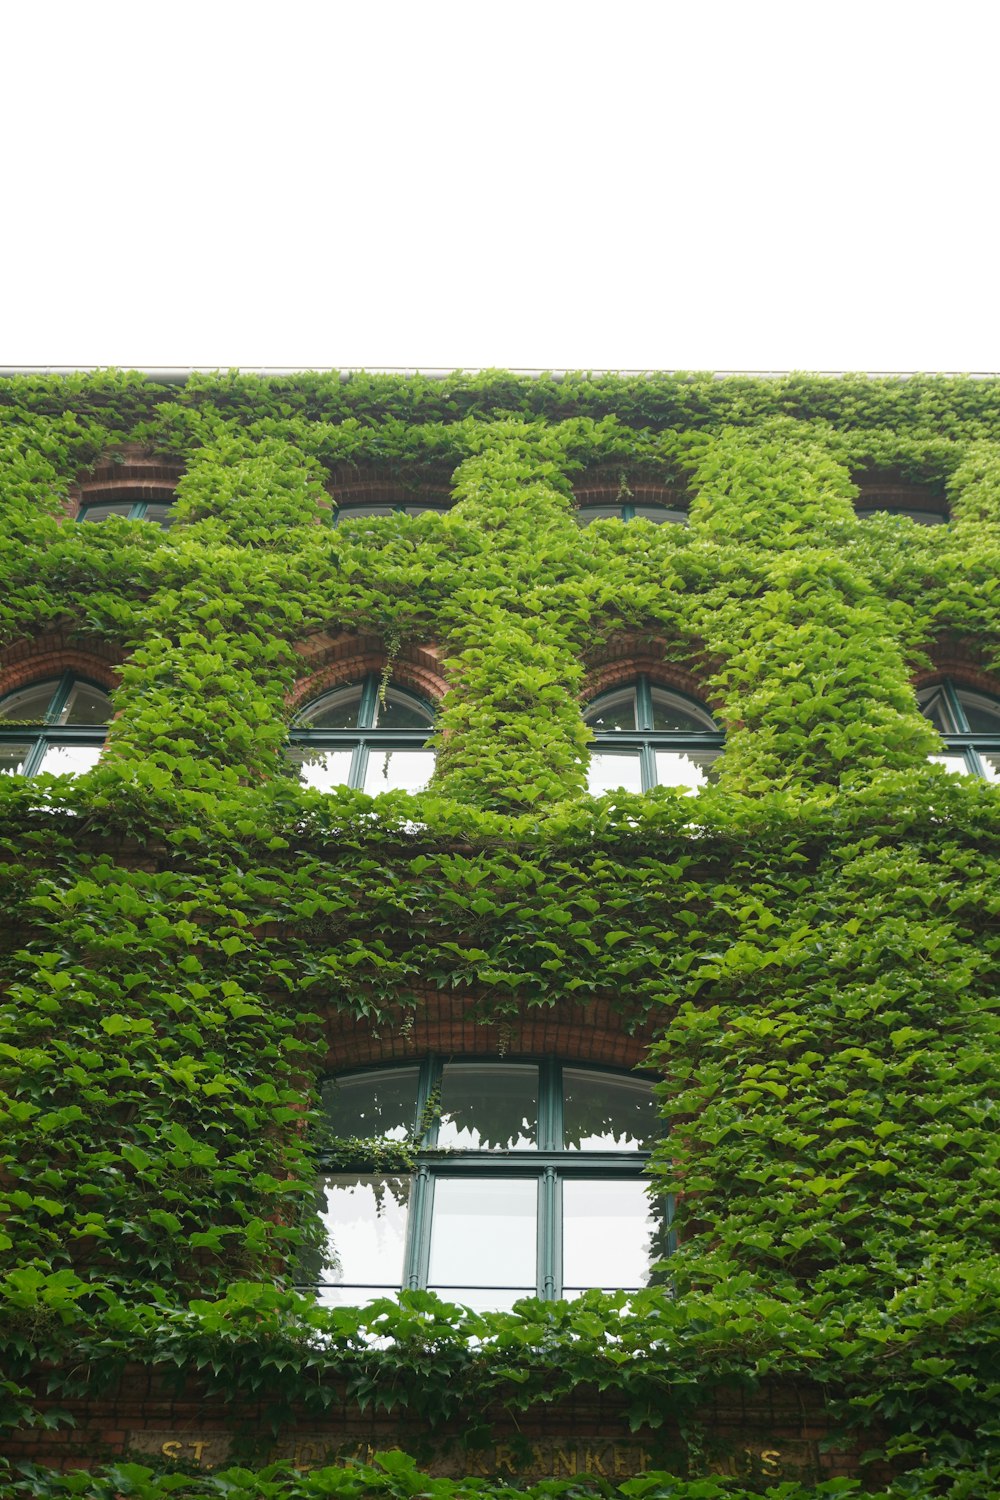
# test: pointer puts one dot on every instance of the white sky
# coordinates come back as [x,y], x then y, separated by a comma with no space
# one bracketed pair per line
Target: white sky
[726,185]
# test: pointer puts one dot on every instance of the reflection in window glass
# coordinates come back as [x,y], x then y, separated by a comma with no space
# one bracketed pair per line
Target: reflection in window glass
[85,705]
[990,762]
[602,1112]
[483,1233]
[608,1231]
[30,704]
[380,1103]
[688,769]
[68,760]
[956,764]
[322,769]
[365,1221]
[13,758]
[397,770]
[613,770]
[489,1107]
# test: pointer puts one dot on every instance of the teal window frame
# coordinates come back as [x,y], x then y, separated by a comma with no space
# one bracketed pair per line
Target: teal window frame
[48,732]
[376,510]
[630,511]
[647,740]
[550,1164]
[365,738]
[957,736]
[129,509]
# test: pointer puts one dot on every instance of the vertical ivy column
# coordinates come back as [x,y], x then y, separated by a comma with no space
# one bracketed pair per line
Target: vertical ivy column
[203,694]
[816,680]
[512,733]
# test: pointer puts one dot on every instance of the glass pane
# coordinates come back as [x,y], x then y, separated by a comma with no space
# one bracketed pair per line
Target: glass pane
[322,769]
[13,758]
[483,1299]
[420,510]
[69,760]
[30,703]
[398,770]
[400,712]
[608,1233]
[102,512]
[336,710]
[691,769]
[160,515]
[489,1106]
[383,1103]
[357,512]
[934,706]
[616,711]
[605,1113]
[989,761]
[956,764]
[981,712]
[365,1221]
[614,770]
[674,714]
[85,705]
[588,513]
[658,513]
[483,1233]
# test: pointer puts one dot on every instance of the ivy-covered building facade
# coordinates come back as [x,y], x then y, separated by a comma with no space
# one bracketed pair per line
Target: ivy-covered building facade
[500,936]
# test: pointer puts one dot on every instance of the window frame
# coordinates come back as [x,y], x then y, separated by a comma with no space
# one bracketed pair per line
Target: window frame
[45,733]
[374,510]
[549,1164]
[366,737]
[128,507]
[645,739]
[961,740]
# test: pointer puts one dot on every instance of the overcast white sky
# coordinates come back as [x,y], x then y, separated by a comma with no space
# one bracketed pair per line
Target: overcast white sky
[725,185]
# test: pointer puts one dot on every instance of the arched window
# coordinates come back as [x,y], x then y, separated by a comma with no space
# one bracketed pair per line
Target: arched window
[56,725]
[893,494]
[528,1183]
[646,736]
[138,488]
[156,507]
[969,724]
[609,492]
[367,493]
[356,736]
[349,511]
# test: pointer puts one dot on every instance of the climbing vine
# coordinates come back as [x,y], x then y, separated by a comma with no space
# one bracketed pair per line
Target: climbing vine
[812,942]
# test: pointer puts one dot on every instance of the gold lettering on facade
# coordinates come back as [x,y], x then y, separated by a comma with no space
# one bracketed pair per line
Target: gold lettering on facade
[592,1461]
[171,1450]
[504,1459]
[566,1460]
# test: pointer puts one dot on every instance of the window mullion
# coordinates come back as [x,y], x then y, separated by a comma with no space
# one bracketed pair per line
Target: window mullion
[956,712]
[59,699]
[138,510]
[368,707]
[643,705]
[359,765]
[549,1235]
[418,1246]
[647,762]
[35,756]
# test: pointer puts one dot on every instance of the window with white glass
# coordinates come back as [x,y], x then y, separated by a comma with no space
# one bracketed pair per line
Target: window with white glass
[56,726]
[646,736]
[529,1182]
[361,736]
[145,503]
[969,724]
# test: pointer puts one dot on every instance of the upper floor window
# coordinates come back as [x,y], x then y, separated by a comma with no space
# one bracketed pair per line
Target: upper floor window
[367,493]
[358,736]
[137,487]
[611,493]
[969,724]
[528,1183]
[130,508]
[646,736]
[56,726]
[896,495]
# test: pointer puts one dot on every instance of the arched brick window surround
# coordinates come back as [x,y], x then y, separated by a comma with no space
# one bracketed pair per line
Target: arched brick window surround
[132,474]
[338,661]
[624,658]
[50,656]
[448,1025]
[351,485]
